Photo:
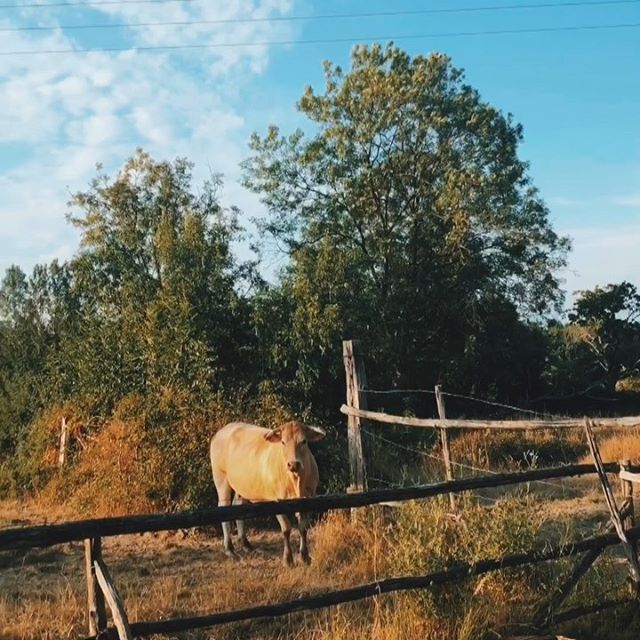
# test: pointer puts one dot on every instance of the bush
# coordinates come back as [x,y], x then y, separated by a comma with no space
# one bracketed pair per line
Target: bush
[149,454]
[421,537]
[427,538]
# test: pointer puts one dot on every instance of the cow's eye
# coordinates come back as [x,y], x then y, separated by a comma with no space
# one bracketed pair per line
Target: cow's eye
[303,442]
[282,441]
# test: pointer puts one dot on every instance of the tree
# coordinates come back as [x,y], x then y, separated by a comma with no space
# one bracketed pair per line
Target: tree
[26,337]
[604,325]
[406,213]
[161,306]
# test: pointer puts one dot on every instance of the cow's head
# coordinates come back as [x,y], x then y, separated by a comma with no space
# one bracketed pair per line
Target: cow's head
[293,438]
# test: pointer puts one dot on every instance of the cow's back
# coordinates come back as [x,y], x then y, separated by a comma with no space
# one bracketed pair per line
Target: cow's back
[251,464]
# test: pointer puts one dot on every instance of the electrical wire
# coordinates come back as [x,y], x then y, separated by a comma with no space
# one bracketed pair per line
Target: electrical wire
[274,43]
[326,16]
[74,3]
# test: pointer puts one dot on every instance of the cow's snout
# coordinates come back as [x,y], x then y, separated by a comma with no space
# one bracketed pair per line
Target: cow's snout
[295,466]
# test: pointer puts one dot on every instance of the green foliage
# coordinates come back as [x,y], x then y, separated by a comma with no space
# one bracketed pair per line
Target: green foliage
[605,330]
[149,306]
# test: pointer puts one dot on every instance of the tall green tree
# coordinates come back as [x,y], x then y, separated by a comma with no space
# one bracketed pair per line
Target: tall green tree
[604,329]
[161,301]
[407,214]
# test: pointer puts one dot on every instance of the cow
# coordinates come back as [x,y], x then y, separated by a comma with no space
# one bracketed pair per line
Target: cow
[258,464]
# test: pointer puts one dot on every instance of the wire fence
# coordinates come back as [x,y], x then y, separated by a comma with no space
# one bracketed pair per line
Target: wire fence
[462,396]
[460,465]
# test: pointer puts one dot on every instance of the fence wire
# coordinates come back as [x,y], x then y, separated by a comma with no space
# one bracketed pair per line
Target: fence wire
[461,465]
[462,396]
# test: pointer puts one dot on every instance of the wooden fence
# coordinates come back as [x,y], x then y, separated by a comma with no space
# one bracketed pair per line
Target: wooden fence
[101,587]
[356,411]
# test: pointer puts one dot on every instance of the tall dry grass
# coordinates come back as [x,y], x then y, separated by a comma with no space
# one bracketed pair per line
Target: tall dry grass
[620,446]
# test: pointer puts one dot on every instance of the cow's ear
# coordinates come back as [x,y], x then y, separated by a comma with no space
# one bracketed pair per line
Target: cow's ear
[314,433]
[273,436]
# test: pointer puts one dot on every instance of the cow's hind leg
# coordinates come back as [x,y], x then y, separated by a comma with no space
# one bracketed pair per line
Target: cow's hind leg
[303,524]
[225,495]
[285,525]
[242,532]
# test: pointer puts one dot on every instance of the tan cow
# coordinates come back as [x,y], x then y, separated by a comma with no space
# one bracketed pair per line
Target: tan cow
[258,464]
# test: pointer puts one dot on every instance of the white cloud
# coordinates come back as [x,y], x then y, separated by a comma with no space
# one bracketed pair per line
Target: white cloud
[68,112]
[631,200]
[602,255]
[563,201]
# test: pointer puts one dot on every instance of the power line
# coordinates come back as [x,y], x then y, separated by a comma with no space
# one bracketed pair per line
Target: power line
[499,7]
[328,16]
[234,45]
[72,3]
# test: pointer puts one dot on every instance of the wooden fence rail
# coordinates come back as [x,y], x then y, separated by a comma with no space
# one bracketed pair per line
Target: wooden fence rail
[501,425]
[379,587]
[47,535]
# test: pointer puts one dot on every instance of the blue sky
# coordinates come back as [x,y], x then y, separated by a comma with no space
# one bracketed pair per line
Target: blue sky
[577,93]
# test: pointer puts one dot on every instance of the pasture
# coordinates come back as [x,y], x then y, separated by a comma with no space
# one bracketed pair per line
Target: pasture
[185,573]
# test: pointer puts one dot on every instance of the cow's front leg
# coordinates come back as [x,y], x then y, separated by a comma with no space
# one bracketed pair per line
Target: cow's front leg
[303,524]
[242,532]
[225,494]
[285,525]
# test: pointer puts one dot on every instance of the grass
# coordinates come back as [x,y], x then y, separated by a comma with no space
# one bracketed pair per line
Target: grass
[622,446]
[171,575]
[42,592]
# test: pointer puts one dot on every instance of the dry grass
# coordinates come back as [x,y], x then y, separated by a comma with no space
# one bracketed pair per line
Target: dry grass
[42,593]
[170,575]
[620,446]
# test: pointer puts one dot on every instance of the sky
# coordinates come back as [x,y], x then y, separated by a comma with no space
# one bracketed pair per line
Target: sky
[576,92]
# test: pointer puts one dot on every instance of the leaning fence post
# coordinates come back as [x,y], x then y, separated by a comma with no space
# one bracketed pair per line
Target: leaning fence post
[627,494]
[356,381]
[444,438]
[95,598]
[611,504]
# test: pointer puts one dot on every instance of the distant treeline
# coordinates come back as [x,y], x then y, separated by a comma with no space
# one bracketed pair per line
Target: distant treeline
[409,222]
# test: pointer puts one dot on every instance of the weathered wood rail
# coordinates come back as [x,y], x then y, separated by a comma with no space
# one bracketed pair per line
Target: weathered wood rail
[379,587]
[100,580]
[499,425]
[47,535]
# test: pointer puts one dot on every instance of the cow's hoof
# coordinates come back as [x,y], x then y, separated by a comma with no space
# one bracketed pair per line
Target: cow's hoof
[230,553]
[305,557]
[247,546]
[287,561]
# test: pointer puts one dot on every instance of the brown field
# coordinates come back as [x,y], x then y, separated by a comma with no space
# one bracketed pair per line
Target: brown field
[42,592]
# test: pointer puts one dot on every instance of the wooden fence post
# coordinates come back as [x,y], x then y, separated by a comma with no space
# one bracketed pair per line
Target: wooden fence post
[628,519]
[444,438]
[95,598]
[118,613]
[356,381]
[64,433]
[627,494]
[611,503]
